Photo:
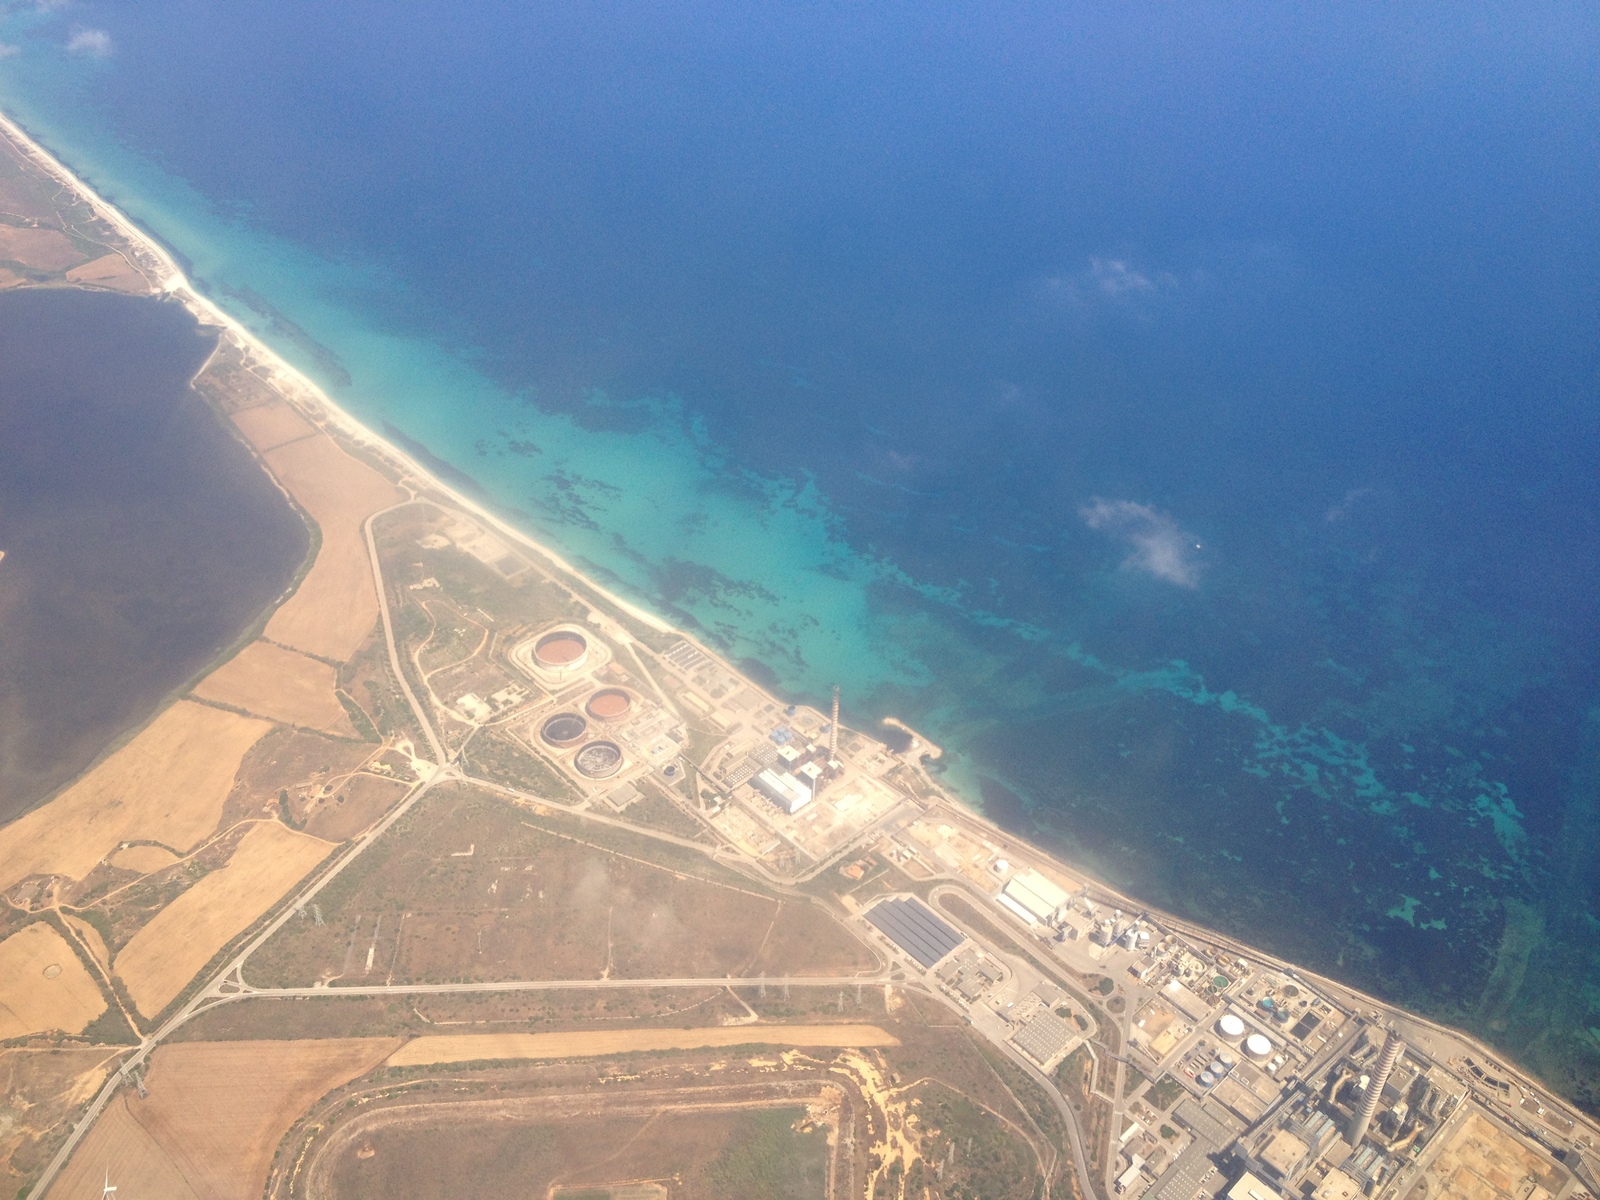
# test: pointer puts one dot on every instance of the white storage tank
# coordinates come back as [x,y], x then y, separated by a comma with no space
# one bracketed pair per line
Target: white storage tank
[1258,1047]
[1230,1026]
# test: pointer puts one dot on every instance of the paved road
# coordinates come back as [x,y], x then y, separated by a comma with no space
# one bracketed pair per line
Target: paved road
[1069,1118]
[229,991]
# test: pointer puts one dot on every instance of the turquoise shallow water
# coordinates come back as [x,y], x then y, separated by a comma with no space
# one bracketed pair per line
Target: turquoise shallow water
[1217,488]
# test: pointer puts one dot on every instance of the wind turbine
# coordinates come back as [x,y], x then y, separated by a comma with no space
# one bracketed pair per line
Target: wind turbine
[109,1186]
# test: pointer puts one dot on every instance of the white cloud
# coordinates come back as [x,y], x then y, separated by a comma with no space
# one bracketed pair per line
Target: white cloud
[1115,281]
[1351,498]
[92,43]
[9,51]
[1157,546]
[1114,277]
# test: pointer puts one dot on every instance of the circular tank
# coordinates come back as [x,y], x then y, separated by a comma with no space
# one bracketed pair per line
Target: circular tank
[564,729]
[1230,1026]
[563,648]
[598,760]
[1207,1079]
[1217,1069]
[609,704]
[1257,1047]
[1227,1060]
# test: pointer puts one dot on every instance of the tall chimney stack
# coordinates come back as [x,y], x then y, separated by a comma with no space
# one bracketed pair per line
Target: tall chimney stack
[1392,1048]
[833,730]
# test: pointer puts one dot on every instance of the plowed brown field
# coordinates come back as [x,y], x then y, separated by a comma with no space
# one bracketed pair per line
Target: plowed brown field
[44,985]
[595,1043]
[165,955]
[42,249]
[214,1115]
[336,604]
[167,785]
[118,1148]
[270,425]
[111,271]
[282,684]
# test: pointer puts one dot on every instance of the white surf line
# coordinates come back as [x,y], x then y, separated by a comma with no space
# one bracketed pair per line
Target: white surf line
[294,385]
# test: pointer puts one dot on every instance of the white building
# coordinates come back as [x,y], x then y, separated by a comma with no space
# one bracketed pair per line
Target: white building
[1038,896]
[784,790]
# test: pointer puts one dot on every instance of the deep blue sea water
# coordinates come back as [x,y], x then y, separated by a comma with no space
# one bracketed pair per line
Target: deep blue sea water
[1190,417]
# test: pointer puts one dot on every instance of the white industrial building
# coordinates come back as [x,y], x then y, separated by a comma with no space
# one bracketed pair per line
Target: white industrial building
[783,789]
[1033,897]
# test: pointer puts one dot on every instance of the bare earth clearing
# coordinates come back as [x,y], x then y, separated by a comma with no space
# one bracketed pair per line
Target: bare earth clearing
[42,1088]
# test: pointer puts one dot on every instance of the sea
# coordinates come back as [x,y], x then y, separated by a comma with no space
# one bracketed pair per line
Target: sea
[1187,416]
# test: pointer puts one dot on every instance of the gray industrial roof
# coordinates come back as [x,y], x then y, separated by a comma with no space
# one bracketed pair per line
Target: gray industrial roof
[911,925]
[1044,1037]
[1183,1178]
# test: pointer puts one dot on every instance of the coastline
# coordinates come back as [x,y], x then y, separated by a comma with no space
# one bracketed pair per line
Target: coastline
[293,384]
[303,394]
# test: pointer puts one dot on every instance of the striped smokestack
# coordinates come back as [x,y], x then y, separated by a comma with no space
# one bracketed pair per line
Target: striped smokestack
[833,730]
[1392,1048]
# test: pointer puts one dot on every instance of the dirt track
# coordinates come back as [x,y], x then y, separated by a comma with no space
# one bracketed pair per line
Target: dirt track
[475,1047]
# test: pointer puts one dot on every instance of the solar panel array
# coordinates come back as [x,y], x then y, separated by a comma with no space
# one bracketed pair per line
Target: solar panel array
[911,925]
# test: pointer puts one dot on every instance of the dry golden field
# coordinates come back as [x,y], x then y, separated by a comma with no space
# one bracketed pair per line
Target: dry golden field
[41,249]
[596,1043]
[167,785]
[43,985]
[166,954]
[282,684]
[336,604]
[214,1115]
[111,271]
[143,859]
[270,425]
[119,1145]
